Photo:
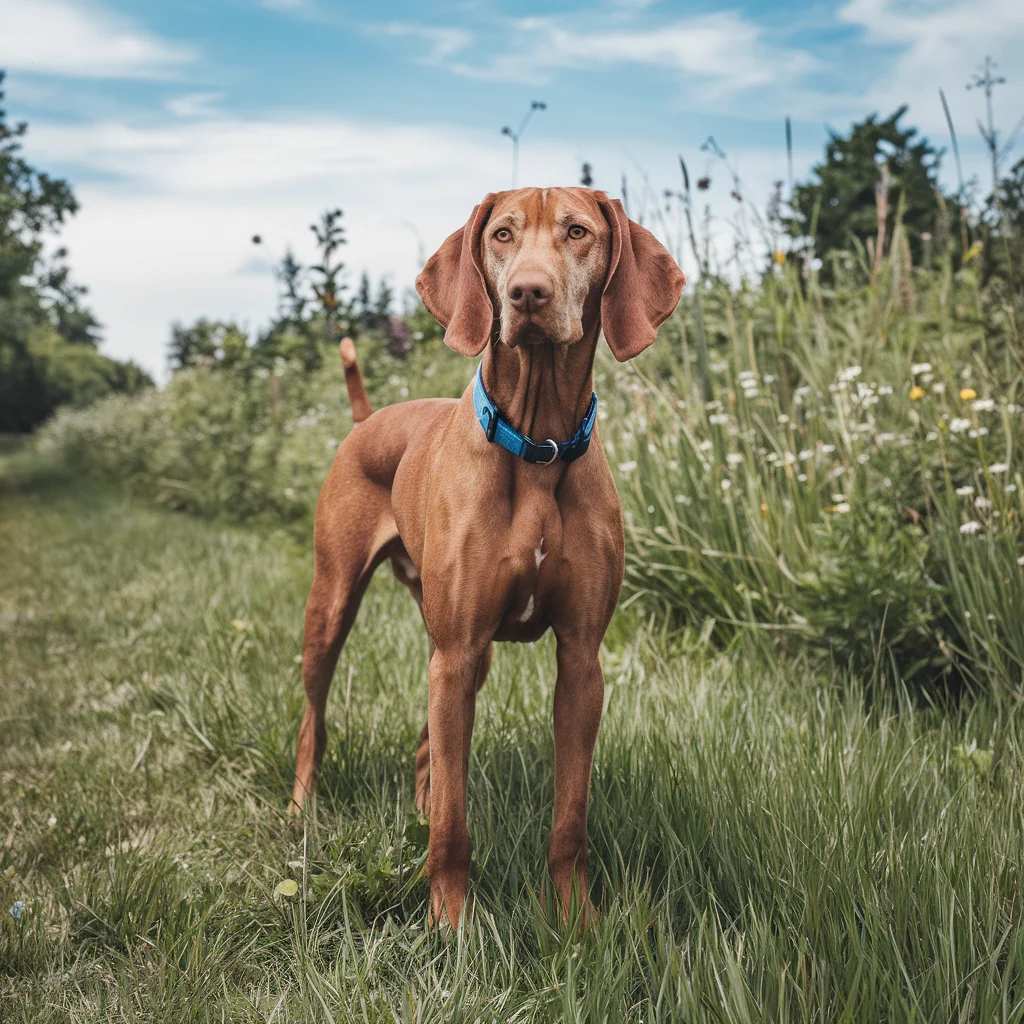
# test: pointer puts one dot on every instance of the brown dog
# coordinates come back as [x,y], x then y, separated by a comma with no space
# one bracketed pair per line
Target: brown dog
[494,547]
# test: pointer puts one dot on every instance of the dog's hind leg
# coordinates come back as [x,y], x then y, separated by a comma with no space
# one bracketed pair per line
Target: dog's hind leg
[345,562]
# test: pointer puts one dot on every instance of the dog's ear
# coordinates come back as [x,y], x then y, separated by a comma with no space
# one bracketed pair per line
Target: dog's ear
[642,288]
[453,287]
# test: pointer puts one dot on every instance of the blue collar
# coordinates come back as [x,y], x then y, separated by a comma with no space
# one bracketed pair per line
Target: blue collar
[501,432]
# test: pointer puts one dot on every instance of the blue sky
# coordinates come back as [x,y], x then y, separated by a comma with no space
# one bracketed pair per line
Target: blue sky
[187,126]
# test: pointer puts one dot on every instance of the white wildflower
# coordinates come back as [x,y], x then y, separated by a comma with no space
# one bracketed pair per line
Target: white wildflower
[783,419]
[981,502]
[827,449]
[839,497]
[939,388]
[966,491]
[805,453]
[1020,561]
[842,507]
[726,484]
[651,448]
[998,467]
[682,499]
[920,368]
[983,405]
[885,389]
[958,425]
[705,446]
[850,373]
[1011,488]
[971,527]
[627,467]
[718,418]
[672,464]
[734,458]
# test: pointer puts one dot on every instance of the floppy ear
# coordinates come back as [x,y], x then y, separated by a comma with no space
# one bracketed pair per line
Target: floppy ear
[642,288]
[453,288]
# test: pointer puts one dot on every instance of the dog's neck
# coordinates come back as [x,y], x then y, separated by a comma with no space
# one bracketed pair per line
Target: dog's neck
[540,388]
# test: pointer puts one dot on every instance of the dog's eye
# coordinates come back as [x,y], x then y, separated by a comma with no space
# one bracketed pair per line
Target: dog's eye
[503,235]
[577,231]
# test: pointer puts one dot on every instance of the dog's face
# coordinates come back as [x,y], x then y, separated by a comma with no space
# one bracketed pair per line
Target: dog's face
[545,258]
[544,266]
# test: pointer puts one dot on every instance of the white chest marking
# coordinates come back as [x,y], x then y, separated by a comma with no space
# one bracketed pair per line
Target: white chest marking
[525,617]
[539,554]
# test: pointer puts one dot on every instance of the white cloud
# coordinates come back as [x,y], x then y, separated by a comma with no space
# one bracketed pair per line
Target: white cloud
[724,50]
[443,41]
[60,37]
[928,44]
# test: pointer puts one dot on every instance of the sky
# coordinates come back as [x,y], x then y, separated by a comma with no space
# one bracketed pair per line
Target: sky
[188,126]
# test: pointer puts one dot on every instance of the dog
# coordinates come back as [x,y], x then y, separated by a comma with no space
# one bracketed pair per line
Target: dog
[498,510]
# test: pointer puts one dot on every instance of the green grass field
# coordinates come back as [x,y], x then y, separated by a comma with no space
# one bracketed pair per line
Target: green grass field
[767,844]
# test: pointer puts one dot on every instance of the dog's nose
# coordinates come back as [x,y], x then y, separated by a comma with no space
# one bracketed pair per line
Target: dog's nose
[529,290]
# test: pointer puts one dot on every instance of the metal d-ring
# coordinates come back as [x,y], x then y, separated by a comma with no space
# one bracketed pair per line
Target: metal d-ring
[554,444]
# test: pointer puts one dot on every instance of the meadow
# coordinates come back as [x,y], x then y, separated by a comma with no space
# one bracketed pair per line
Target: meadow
[807,800]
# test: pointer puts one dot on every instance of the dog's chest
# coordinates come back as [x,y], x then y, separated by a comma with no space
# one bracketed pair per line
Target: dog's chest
[527,597]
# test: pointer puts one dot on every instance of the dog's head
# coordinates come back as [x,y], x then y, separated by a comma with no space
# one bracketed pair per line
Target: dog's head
[535,265]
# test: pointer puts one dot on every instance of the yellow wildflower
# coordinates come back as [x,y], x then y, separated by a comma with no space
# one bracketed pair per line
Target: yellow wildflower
[780,257]
[968,394]
[975,250]
[916,392]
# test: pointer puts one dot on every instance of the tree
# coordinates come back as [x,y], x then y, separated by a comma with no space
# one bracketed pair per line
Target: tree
[328,285]
[47,337]
[207,343]
[839,203]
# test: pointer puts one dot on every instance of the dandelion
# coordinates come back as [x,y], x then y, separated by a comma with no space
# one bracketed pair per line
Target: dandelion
[983,405]
[627,467]
[968,394]
[966,491]
[998,467]
[916,392]
[958,425]
[17,909]
[780,257]
[921,368]
[971,527]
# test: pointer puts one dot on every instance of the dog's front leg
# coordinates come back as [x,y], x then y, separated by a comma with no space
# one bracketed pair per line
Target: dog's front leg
[579,698]
[453,676]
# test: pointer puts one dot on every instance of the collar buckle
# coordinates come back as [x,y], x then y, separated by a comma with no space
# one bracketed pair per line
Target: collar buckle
[554,445]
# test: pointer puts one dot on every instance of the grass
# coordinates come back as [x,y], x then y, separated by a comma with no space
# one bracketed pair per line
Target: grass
[768,843]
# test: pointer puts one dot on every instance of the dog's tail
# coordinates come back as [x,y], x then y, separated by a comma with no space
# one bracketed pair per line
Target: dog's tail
[354,382]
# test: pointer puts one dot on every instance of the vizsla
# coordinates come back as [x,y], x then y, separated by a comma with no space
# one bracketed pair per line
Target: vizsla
[499,537]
